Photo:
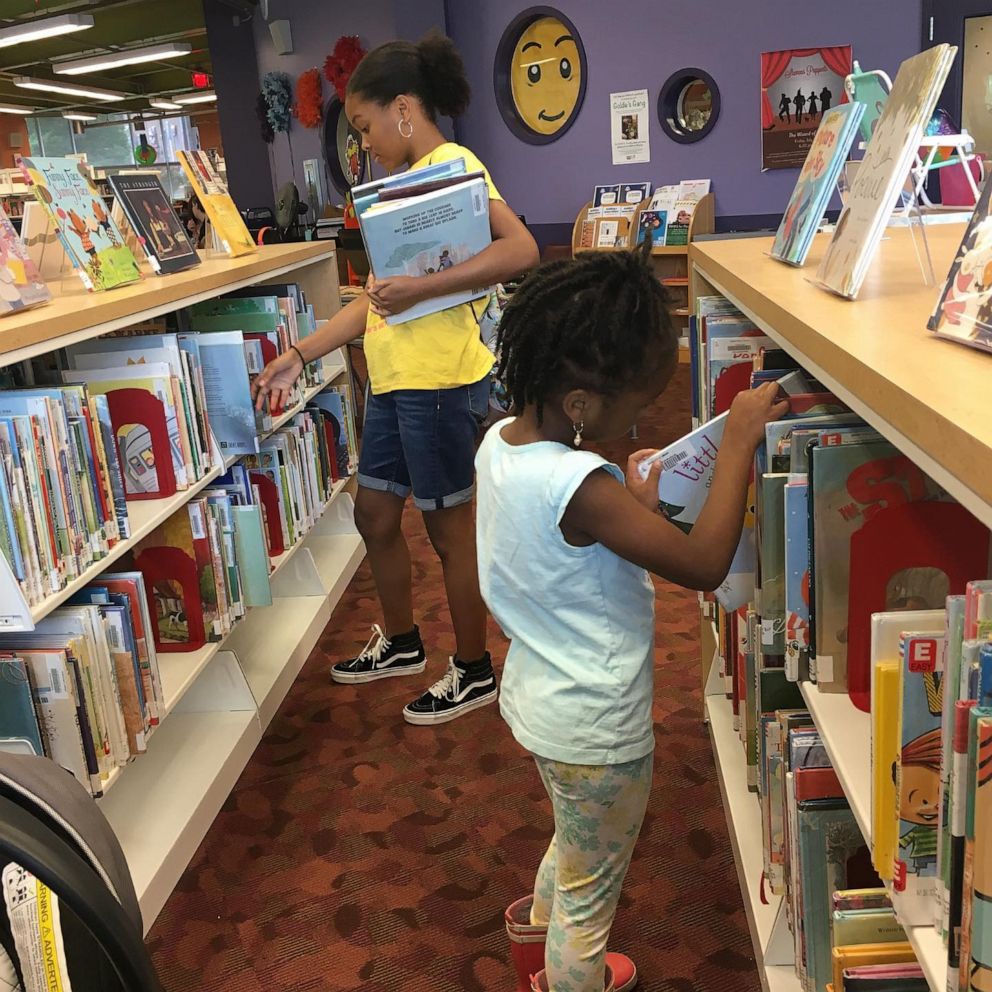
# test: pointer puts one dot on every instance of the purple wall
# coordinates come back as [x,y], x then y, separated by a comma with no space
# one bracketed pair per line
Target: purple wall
[316,25]
[635,44]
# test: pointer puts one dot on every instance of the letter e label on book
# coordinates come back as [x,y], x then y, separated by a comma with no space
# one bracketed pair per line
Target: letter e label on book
[923,654]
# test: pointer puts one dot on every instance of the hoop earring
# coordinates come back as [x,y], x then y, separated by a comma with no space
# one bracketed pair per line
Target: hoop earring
[399,127]
[579,428]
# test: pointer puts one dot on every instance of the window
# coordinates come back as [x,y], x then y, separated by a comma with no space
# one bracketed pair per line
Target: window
[110,143]
[50,136]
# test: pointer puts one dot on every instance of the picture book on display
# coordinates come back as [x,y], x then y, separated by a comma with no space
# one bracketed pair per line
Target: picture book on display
[424,234]
[964,311]
[884,169]
[212,193]
[77,211]
[817,182]
[21,285]
[150,214]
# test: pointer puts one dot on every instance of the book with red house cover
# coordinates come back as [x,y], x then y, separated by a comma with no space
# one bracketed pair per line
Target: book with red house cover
[177,565]
[885,538]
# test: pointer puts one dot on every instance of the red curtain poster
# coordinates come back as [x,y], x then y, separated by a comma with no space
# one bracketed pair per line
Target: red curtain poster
[797,86]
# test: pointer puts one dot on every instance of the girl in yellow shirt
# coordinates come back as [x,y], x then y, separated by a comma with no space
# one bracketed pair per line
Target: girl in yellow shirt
[429,381]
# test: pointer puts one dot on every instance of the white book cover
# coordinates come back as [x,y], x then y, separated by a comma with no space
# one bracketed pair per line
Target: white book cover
[884,169]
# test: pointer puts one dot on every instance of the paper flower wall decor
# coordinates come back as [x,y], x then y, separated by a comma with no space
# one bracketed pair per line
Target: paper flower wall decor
[309,99]
[262,113]
[278,90]
[340,64]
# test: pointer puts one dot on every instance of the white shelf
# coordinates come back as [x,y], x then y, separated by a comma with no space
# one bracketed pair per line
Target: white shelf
[932,954]
[164,803]
[744,823]
[846,733]
[144,516]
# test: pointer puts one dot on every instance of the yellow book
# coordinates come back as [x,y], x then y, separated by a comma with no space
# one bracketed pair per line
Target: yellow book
[212,193]
[859,955]
[885,712]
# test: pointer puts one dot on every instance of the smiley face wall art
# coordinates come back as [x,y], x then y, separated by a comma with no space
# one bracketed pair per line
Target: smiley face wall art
[540,75]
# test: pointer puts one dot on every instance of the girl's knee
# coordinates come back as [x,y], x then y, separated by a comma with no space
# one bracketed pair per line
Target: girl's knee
[375,527]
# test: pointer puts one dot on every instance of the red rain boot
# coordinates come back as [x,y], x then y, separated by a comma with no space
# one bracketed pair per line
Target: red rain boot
[539,983]
[527,951]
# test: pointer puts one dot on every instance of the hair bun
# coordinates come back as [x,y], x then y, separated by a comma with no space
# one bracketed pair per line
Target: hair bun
[444,74]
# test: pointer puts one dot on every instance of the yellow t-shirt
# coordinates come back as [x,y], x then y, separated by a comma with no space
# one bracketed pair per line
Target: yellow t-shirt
[441,350]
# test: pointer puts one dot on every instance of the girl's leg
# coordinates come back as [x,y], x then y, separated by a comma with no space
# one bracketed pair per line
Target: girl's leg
[598,815]
[452,532]
[544,886]
[379,518]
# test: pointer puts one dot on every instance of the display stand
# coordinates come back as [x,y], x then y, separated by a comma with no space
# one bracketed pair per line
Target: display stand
[922,395]
[219,699]
[670,261]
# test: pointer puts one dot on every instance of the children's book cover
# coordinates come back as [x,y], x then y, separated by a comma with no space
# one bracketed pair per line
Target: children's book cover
[796,577]
[17,711]
[651,227]
[770,537]
[77,210]
[853,485]
[21,284]
[981,910]
[918,776]
[212,193]
[816,183]
[884,168]
[964,311]
[150,214]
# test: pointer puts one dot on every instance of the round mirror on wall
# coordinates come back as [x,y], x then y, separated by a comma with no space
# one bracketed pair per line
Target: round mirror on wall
[342,146]
[539,75]
[688,105]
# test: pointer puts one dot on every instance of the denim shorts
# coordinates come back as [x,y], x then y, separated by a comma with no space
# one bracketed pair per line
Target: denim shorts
[422,441]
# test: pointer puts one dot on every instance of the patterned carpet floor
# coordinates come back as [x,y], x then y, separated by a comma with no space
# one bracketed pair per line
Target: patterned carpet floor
[360,853]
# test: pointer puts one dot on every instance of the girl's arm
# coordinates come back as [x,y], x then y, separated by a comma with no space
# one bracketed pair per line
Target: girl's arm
[512,252]
[278,377]
[604,512]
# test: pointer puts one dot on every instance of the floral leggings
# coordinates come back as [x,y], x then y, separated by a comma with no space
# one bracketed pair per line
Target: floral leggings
[598,813]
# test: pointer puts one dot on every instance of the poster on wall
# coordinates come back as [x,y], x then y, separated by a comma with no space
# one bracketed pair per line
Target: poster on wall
[797,87]
[629,122]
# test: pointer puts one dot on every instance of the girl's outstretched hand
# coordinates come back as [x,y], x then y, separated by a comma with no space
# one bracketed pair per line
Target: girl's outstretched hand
[751,410]
[392,296]
[276,380]
[645,491]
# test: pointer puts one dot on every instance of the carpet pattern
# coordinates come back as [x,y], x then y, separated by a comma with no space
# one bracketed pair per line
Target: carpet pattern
[360,853]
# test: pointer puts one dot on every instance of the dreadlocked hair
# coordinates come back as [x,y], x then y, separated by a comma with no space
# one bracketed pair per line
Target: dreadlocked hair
[585,323]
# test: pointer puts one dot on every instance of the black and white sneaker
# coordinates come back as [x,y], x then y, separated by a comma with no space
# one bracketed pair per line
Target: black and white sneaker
[383,658]
[452,696]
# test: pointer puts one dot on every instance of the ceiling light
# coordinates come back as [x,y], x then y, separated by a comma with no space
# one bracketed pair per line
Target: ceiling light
[48,27]
[164,105]
[69,89]
[11,108]
[204,96]
[132,56]
[80,117]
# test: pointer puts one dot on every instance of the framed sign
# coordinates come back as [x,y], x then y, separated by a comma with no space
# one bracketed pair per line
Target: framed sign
[539,75]
[347,164]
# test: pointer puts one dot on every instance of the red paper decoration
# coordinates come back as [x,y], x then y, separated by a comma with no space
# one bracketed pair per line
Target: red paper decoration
[340,64]
[309,99]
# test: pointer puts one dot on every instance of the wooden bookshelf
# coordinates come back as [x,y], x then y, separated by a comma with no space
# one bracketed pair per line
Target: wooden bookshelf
[77,315]
[927,396]
[219,700]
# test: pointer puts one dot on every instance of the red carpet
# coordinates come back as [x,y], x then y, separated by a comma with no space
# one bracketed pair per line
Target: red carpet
[359,853]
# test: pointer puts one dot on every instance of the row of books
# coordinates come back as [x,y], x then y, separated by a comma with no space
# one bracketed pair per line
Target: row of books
[140,416]
[73,222]
[931,800]
[85,687]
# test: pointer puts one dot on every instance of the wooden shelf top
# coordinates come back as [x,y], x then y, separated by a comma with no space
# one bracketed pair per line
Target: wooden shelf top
[75,314]
[929,396]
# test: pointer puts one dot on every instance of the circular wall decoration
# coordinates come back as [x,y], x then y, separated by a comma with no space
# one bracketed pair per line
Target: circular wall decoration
[540,75]
[342,146]
[688,105]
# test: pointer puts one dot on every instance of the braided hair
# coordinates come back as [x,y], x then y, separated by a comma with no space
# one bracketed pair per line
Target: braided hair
[586,323]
